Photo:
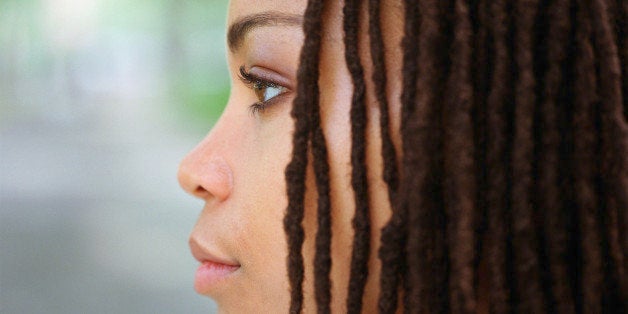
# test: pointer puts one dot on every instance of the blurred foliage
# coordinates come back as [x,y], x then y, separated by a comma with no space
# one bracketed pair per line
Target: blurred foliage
[199,76]
[201,109]
[180,43]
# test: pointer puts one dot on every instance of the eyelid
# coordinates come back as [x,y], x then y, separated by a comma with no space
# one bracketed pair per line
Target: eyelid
[249,78]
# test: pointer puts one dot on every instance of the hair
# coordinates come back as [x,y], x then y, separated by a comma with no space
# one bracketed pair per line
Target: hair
[514,158]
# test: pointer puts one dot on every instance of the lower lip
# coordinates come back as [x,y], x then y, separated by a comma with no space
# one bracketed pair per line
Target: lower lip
[210,274]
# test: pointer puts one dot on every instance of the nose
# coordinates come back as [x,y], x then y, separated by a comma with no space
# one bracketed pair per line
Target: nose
[206,174]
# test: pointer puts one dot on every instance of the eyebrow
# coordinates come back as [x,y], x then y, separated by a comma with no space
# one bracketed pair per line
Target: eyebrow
[240,28]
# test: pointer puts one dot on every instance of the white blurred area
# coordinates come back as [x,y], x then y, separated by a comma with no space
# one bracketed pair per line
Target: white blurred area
[99,100]
[71,24]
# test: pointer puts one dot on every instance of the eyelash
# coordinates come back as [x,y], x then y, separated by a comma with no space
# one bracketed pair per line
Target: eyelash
[254,82]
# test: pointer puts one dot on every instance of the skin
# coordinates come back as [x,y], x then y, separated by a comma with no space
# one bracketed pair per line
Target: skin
[238,169]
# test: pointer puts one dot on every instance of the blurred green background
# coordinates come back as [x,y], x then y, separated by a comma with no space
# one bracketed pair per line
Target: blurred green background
[99,100]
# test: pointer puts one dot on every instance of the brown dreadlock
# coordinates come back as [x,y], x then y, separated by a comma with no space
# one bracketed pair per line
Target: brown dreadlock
[514,156]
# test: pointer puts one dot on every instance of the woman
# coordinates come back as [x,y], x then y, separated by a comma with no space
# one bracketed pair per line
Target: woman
[431,156]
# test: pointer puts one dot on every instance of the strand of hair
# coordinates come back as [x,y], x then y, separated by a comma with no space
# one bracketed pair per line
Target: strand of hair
[496,162]
[398,227]
[459,166]
[427,242]
[622,38]
[480,69]
[390,250]
[614,136]
[617,12]
[621,23]
[322,256]
[414,158]
[389,155]
[525,255]
[307,94]
[586,198]
[361,221]
[555,39]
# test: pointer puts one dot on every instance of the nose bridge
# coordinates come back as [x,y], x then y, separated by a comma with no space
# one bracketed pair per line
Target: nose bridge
[205,172]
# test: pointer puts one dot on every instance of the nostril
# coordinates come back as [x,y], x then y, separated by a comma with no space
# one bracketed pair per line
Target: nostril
[201,192]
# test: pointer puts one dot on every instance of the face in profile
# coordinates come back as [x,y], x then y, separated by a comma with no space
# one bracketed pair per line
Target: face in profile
[238,169]
[481,199]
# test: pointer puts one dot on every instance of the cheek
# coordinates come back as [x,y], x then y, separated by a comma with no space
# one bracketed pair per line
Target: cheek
[261,198]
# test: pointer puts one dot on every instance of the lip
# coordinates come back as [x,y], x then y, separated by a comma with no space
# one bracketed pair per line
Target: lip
[213,271]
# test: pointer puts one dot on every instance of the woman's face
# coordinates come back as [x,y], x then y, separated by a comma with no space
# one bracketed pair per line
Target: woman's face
[238,169]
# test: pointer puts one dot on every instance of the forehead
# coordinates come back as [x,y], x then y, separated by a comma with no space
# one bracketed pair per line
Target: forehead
[241,8]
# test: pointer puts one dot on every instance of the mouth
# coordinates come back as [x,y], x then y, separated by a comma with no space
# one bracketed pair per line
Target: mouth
[214,270]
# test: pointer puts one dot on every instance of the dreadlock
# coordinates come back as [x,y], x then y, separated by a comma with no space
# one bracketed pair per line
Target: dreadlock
[525,251]
[514,158]
[614,151]
[587,196]
[361,222]
[458,165]
[557,222]
[390,249]
[497,160]
[304,104]
[394,233]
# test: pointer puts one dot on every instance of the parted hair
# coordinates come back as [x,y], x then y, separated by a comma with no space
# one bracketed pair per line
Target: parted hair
[514,161]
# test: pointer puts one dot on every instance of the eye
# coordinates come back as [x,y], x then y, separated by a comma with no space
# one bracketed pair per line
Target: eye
[265,90]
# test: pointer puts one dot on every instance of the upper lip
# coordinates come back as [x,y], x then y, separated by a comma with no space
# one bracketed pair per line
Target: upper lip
[202,254]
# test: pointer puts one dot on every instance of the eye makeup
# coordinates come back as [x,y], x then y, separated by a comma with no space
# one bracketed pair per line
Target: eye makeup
[266,90]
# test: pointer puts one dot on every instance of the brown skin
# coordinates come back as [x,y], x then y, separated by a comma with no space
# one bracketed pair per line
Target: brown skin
[238,169]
